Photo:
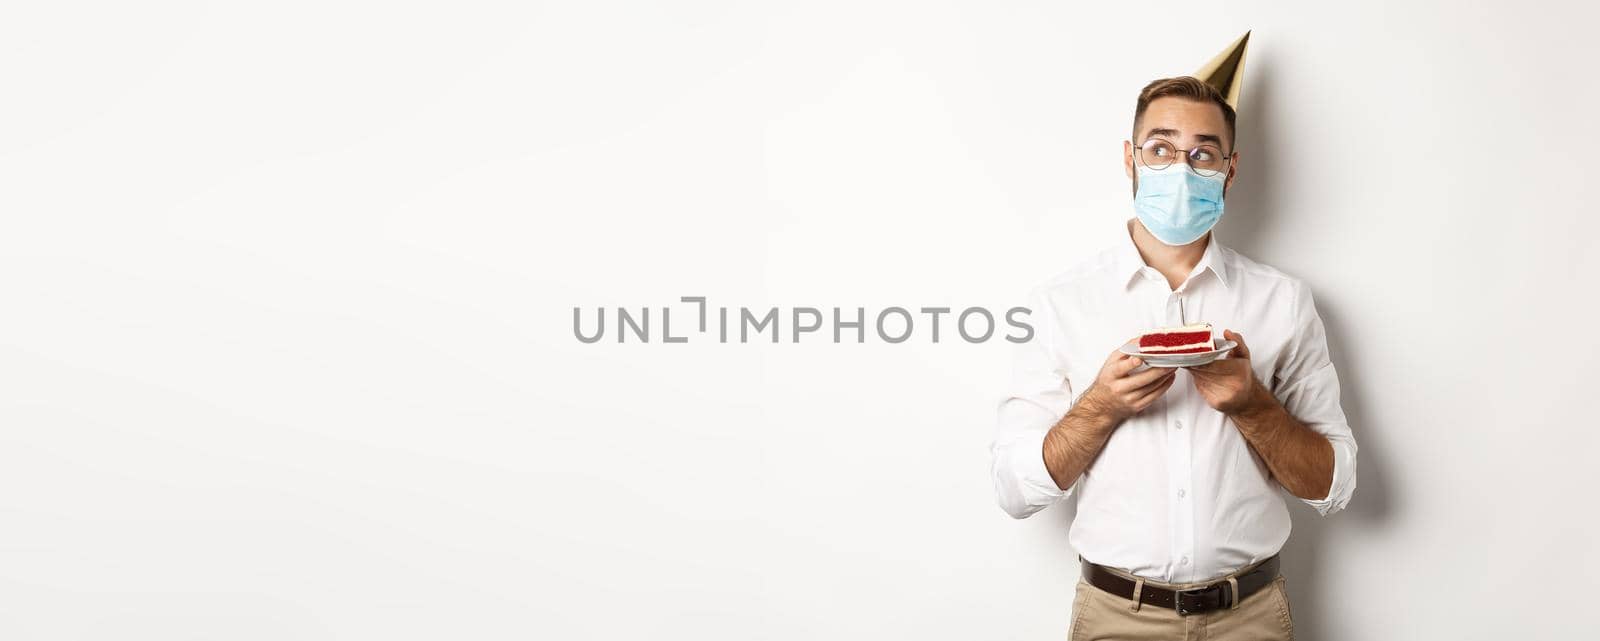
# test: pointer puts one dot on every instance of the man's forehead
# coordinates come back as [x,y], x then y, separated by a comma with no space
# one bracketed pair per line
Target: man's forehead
[1186,118]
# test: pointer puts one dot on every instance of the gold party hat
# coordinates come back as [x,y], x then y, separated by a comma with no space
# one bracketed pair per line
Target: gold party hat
[1226,71]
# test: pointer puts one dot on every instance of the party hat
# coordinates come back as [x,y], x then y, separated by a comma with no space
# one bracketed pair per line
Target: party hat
[1226,71]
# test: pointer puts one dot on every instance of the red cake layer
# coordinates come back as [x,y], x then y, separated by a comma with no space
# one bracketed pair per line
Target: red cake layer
[1174,339]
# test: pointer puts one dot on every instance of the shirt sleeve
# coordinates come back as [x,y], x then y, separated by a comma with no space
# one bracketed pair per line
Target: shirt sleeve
[1308,387]
[1038,396]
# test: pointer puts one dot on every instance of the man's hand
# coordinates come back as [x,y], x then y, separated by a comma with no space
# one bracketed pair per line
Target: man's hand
[1228,384]
[1120,392]
[1300,458]
[1117,393]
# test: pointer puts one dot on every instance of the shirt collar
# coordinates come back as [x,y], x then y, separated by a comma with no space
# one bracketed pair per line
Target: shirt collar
[1132,266]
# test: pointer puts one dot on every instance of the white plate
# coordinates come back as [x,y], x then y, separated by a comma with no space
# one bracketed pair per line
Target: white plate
[1191,359]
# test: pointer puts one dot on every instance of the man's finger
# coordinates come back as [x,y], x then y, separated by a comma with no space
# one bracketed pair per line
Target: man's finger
[1164,379]
[1121,368]
[1242,351]
[1149,396]
[1146,377]
[1219,367]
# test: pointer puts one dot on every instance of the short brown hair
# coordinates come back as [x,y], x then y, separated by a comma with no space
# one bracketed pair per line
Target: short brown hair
[1187,87]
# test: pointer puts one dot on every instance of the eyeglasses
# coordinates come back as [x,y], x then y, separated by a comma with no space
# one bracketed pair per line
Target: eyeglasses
[1205,160]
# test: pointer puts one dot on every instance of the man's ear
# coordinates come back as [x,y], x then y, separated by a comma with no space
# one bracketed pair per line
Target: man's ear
[1127,158]
[1233,168]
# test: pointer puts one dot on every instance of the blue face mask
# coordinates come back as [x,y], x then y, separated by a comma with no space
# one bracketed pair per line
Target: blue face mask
[1177,205]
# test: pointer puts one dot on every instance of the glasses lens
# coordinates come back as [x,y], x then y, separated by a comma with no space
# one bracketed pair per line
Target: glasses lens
[1157,153]
[1207,160]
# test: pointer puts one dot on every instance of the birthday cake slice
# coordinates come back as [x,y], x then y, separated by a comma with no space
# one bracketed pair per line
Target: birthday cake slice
[1178,340]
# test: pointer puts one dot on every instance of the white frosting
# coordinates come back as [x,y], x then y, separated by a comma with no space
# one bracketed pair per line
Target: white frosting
[1186,328]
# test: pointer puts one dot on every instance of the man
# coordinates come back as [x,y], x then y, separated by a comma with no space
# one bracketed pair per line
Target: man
[1178,473]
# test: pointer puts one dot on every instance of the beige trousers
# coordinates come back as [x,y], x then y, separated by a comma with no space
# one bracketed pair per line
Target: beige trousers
[1100,615]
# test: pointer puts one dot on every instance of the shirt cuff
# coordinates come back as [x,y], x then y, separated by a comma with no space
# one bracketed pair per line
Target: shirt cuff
[1344,480]
[1037,483]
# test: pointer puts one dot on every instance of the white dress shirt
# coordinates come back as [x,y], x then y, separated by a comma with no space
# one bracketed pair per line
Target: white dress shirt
[1176,494]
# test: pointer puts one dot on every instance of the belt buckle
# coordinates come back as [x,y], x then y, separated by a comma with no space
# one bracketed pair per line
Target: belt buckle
[1177,600]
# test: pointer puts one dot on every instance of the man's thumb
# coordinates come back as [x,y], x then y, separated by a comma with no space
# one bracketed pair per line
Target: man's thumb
[1242,350]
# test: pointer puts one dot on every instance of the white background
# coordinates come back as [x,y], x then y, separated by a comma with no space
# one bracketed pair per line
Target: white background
[286,346]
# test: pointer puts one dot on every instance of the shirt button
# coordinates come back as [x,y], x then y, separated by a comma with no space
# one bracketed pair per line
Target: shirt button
[1178,424]
[1181,493]
[1183,561]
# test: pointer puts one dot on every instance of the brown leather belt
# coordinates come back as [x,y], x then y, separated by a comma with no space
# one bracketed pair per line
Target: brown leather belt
[1215,596]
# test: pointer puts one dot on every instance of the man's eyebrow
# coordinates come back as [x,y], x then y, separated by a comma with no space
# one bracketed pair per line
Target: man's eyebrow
[1173,134]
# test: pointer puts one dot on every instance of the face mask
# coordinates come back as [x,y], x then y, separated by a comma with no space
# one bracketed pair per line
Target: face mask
[1177,205]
